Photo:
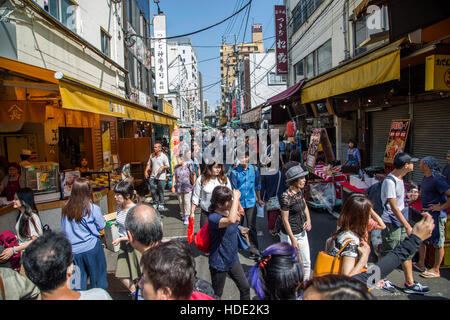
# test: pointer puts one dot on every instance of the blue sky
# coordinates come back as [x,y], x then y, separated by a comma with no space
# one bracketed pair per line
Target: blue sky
[184,16]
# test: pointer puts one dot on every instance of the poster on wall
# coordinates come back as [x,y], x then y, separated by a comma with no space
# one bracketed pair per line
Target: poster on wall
[313,147]
[397,139]
[319,142]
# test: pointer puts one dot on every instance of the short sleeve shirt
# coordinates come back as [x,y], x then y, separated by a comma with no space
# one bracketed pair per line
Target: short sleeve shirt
[34,231]
[392,190]
[156,163]
[224,244]
[182,178]
[433,190]
[446,173]
[295,204]
[351,250]
[120,219]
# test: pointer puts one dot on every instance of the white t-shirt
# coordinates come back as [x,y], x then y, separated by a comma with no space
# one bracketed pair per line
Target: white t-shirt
[391,190]
[202,194]
[34,231]
[156,163]
[94,294]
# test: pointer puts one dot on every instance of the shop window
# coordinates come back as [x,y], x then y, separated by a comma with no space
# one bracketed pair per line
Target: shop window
[299,71]
[309,62]
[276,79]
[366,38]
[324,61]
[62,10]
[302,11]
[105,40]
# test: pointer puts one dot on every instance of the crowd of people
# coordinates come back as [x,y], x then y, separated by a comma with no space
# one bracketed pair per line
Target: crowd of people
[63,265]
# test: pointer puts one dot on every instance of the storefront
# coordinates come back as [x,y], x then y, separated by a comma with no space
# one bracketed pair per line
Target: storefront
[62,121]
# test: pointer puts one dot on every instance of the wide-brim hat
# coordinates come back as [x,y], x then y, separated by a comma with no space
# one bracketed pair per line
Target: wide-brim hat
[295,172]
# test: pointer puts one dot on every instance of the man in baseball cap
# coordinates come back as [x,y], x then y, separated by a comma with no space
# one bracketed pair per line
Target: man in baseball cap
[395,216]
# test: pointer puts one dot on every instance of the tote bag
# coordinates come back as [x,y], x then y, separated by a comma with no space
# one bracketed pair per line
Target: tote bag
[328,264]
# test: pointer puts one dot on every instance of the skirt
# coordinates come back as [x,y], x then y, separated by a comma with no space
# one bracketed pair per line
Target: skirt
[128,262]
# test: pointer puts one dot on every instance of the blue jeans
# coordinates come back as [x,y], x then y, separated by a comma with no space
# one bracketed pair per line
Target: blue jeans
[90,264]
[157,190]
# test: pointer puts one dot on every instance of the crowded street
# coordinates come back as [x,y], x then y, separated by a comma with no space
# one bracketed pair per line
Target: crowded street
[235,152]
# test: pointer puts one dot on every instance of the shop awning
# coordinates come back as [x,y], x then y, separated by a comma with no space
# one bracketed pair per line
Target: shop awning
[253,115]
[83,97]
[28,70]
[380,66]
[289,92]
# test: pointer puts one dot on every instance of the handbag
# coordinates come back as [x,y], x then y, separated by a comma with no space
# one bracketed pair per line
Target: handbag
[202,238]
[328,264]
[273,203]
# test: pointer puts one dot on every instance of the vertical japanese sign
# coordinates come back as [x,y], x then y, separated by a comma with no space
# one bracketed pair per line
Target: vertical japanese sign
[281,40]
[397,139]
[233,103]
[160,47]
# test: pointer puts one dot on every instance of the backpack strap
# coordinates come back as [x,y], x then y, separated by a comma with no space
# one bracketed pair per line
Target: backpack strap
[395,186]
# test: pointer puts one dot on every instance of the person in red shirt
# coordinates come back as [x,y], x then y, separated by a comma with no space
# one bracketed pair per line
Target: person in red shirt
[161,277]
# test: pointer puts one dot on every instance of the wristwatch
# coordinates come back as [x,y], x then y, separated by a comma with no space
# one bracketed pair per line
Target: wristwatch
[14,251]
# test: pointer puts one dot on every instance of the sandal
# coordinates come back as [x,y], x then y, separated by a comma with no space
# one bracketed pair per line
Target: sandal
[416,266]
[429,274]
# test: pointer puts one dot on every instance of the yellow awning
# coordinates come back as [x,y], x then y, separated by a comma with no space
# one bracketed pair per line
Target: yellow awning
[82,98]
[374,68]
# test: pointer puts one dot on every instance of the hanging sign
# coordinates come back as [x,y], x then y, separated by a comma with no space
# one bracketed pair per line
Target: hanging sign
[281,40]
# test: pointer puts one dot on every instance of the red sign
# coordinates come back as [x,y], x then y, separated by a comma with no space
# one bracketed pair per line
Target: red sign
[281,40]
[397,139]
[233,102]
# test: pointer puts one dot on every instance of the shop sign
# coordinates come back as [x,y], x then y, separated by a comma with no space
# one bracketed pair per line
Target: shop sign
[397,139]
[15,112]
[437,72]
[281,40]
[160,46]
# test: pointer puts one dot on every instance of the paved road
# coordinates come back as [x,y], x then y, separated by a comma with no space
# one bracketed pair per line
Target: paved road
[323,225]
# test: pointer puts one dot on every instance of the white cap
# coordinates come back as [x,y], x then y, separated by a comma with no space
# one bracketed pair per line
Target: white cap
[26,152]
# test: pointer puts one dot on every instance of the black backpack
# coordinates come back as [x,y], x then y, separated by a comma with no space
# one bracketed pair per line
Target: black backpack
[374,194]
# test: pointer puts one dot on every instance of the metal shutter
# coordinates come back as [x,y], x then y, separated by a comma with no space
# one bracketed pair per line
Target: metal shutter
[380,124]
[430,133]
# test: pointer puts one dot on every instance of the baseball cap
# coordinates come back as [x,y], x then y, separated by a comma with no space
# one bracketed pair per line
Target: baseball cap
[403,158]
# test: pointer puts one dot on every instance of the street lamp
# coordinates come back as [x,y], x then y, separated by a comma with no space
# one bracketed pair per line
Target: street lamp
[157,3]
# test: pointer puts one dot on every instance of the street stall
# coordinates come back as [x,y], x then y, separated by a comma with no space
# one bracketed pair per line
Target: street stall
[69,129]
[323,190]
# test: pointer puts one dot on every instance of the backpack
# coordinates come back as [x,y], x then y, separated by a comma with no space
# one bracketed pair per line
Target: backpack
[374,194]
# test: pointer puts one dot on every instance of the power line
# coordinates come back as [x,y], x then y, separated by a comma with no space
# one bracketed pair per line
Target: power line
[194,32]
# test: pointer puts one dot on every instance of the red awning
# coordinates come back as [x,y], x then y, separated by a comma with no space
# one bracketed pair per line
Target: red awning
[289,92]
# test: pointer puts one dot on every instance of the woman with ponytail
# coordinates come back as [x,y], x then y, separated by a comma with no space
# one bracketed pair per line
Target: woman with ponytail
[223,222]
[28,226]
[127,268]
[278,274]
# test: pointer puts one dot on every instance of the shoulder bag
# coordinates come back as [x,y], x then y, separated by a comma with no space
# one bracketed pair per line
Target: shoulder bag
[328,264]
[273,203]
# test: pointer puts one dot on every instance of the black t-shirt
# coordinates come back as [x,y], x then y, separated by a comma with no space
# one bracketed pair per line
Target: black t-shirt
[295,204]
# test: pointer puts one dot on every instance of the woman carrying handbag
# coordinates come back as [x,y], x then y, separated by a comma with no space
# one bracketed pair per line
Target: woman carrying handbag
[273,185]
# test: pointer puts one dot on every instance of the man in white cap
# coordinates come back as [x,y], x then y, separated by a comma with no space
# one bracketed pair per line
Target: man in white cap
[24,157]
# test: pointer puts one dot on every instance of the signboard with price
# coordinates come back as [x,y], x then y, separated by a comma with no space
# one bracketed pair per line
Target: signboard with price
[397,139]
